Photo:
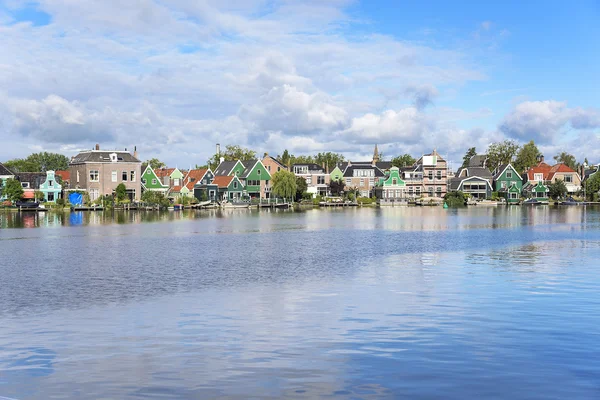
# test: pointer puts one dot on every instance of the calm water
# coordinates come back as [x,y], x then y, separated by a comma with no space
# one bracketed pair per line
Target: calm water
[361,303]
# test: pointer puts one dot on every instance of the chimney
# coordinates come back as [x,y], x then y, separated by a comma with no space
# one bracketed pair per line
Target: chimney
[541,158]
[218,148]
[221,159]
[135,153]
[97,147]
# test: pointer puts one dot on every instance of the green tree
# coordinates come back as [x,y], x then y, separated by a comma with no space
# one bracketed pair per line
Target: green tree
[557,189]
[231,153]
[329,159]
[121,192]
[285,158]
[592,185]
[567,159]
[404,160]
[39,162]
[467,157]
[155,163]
[39,195]
[155,198]
[455,199]
[301,187]
[13,190]
[527,157]
[284,184]
[501,153]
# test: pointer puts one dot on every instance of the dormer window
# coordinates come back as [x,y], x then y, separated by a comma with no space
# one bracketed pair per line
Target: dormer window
[113,157]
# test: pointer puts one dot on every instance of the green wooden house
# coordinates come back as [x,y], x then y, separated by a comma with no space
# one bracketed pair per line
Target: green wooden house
[391,188]
[256,179]
[537,191]
[337,174]
[508,183]
[229,187]
[150,181]
[52,190]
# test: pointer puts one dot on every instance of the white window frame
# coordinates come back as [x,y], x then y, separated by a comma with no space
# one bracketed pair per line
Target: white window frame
[114,176]
[97,174]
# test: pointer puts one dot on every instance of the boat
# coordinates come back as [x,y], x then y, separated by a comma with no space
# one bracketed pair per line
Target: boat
[532,202]
[235,204]
[27,205]
[572,202]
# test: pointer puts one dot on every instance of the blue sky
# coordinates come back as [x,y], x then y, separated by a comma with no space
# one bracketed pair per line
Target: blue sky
[175,77]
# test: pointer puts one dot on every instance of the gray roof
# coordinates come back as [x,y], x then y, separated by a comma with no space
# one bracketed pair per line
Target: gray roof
[474,171]
[501,169]
[103,156]
[478,160]
[4,170]
[225,168]
[384,165]
[248,164]
[349,172]
[311,167]
[35,179]
[454,183]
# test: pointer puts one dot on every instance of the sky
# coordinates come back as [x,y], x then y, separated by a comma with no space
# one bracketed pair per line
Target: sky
[175,77]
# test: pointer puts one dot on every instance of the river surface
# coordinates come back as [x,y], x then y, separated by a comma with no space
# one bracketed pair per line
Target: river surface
[416,303]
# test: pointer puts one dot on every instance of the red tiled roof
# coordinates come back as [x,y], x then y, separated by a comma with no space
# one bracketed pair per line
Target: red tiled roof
[162,172]
[222,181]
[64,175]
[541,168]
[559,168]
[193,176]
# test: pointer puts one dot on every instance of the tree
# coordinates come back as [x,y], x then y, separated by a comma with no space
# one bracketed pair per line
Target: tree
[13,190]
[527,157]
[155,198]
[301,187]
[455,199]
[329,159]
[155,163]
[284,184]
[557,189]
[404,160]
[336,187]
[567,159]
[232,153]
[121,192]
[285,158]
[39,195]
[592,185]
[501,153]
[39,162]
[467,157]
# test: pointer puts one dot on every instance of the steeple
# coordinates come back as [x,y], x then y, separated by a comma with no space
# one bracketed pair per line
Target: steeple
[375,156]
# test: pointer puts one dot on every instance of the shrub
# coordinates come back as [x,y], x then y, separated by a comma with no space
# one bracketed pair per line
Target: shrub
[455,199]
[364,200]
[495,196]
[317,200]
[60,202]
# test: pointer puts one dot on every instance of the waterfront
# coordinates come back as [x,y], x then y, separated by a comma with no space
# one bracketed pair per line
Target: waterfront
[355,303]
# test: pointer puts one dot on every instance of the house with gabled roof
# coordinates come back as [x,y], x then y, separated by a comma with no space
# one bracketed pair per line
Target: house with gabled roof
[317,179]
[226,168]
[151,181]
[391,189]
[508,183]
[475,181]
[538,191]
[566,174]
[272,164]
[256,179]
[192,178]
[229,187]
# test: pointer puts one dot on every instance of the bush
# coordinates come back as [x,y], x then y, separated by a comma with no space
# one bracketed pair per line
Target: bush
[495,196]
[60,202]
[455,199]
[307,196]
[351,196]
[317,200]
[364,200]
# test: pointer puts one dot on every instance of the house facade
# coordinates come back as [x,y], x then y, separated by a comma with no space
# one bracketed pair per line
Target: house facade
[272,164]
[151,181]
[427,178]
[5,174]
[317,179]
[566,174]
[256,179]
[229,188]
[476,186]
[193,177]
[391,189]
[51,188]
[99,172]
[508,183]
[537,191]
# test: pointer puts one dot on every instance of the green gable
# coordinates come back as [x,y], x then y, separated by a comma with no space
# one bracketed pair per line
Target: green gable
[393,178]
[238,169]
[257,173]
[151,182]
[176,174]
[507,178]
[337,174]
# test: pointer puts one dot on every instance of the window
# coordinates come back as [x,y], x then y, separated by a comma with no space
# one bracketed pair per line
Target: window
[235,184]
[77,176]
[371,181]
[94,175]
[50,183]
[568,178]
[514,195]
[237,173]
[362,182]
[94,194]
[144,181]
[394,181]
[176,182]
[348,181]
[124,176]
[538,177]
[269,168]
[439,189]
[320,180]
[508,174]
[258,171]
[113,176]
[503,184]
[278,169]
[154,181]
[439,174]
[308,180]
[430,174]
[132,176]
[25,185]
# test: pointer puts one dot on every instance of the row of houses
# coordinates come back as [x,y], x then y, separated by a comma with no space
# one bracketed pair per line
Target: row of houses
[99,172]
[479,182]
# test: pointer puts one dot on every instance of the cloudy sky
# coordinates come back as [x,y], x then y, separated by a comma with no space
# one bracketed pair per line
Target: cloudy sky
[174,77]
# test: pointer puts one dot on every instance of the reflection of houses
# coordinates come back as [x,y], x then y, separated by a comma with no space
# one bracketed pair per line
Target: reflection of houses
[475,181]
[317,179]
[100,172]
[508,183]
[5,174]
[391,189]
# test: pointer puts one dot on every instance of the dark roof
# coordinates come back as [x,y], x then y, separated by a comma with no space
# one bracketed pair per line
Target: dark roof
[478,160]
[4,170]
[454,183]
[103,156]
[341,165]
[225,168]
[475,171]
[277,161]
[349,172]
[587,173]
[248,164]
[384,164]
[35,179]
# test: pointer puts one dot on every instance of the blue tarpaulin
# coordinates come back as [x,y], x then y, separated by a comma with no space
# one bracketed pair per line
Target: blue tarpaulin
[76,199]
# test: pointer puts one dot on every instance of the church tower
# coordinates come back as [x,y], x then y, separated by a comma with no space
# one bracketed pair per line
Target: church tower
[375,156]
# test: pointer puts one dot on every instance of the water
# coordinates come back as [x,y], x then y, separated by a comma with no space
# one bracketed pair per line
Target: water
[356,303]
